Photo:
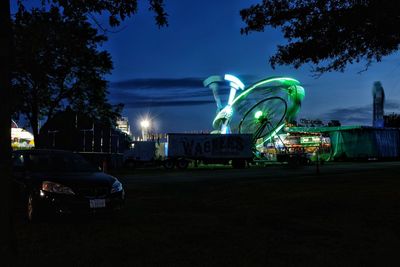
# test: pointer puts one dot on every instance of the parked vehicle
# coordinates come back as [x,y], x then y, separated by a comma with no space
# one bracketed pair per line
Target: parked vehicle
[181,149]
[60,182]
[143,153]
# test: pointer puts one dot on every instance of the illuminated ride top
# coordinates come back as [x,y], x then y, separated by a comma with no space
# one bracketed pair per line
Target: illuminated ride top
[260,109]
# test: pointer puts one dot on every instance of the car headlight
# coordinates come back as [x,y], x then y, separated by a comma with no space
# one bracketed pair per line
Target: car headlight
[116,187]
[56,188]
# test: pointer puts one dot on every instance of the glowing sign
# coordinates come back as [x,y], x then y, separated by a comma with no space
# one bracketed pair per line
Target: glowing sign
[310,140]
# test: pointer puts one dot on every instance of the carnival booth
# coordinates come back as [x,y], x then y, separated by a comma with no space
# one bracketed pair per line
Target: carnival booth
[21,138]
[352,142]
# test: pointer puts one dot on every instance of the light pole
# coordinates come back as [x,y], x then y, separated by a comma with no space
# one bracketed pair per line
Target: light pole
[84,137]
[145,125]
[54,136]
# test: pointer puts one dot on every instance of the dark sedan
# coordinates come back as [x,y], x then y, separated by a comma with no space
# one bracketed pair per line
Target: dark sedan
[61,182]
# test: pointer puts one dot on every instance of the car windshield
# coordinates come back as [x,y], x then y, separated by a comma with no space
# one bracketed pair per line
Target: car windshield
[56,161]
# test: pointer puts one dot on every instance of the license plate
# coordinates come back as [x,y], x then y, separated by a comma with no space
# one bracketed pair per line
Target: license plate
[97,203]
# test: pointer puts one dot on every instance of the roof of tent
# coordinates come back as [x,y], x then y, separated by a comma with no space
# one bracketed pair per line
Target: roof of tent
[325,129]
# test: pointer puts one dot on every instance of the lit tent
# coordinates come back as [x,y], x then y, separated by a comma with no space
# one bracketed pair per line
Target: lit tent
[358,142]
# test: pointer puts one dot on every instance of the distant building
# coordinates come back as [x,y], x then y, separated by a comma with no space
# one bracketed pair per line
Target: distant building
[123,125]
[68,130]
[378,105]
[159,137]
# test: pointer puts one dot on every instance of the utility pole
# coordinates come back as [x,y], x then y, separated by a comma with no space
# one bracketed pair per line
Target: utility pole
[117,142]
[317,154]
[93,137]
[109,143]
[84,138]
[101,140]
[54,137]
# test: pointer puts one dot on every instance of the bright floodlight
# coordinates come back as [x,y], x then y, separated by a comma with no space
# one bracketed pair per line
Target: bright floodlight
[145,123]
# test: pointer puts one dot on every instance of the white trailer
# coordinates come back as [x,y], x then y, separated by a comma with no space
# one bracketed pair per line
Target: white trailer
[143,153]
[181,149]
[236,149]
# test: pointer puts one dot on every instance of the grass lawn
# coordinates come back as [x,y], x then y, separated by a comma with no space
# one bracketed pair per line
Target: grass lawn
[327,220]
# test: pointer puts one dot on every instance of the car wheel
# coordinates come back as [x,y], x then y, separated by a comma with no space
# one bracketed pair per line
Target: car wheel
[169,164]
[182,164]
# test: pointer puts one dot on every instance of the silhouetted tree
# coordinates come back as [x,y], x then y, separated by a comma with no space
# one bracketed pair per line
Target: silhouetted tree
[118,10]
[57,62]
[329,34]
[392,120]
[334,123]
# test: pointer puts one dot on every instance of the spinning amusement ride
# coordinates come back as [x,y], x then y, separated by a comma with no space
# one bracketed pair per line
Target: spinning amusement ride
[261,109]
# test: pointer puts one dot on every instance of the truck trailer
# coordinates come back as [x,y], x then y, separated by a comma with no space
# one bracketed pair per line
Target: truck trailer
[181,149]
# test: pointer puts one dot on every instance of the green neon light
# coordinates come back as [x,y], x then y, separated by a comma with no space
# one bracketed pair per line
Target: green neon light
[258,114]
[295,95]
[274,133]
[299,92]
[284,80]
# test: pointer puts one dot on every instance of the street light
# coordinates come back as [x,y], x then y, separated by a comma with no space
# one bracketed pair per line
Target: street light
[145,125]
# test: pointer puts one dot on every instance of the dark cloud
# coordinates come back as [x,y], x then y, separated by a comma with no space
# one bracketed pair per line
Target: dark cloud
[144,93]
[137,93]
[350,115]
[179,83]
[134,100]
[360,114]
[128,94]
[180,103]
[159,83]
[392,105]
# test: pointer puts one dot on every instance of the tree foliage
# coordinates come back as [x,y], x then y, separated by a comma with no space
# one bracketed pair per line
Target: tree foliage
[328,33]
[58,63]
[73,9]
[392,120]
[118,10]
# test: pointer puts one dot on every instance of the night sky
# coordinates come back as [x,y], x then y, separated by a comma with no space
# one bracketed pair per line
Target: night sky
[159,72]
